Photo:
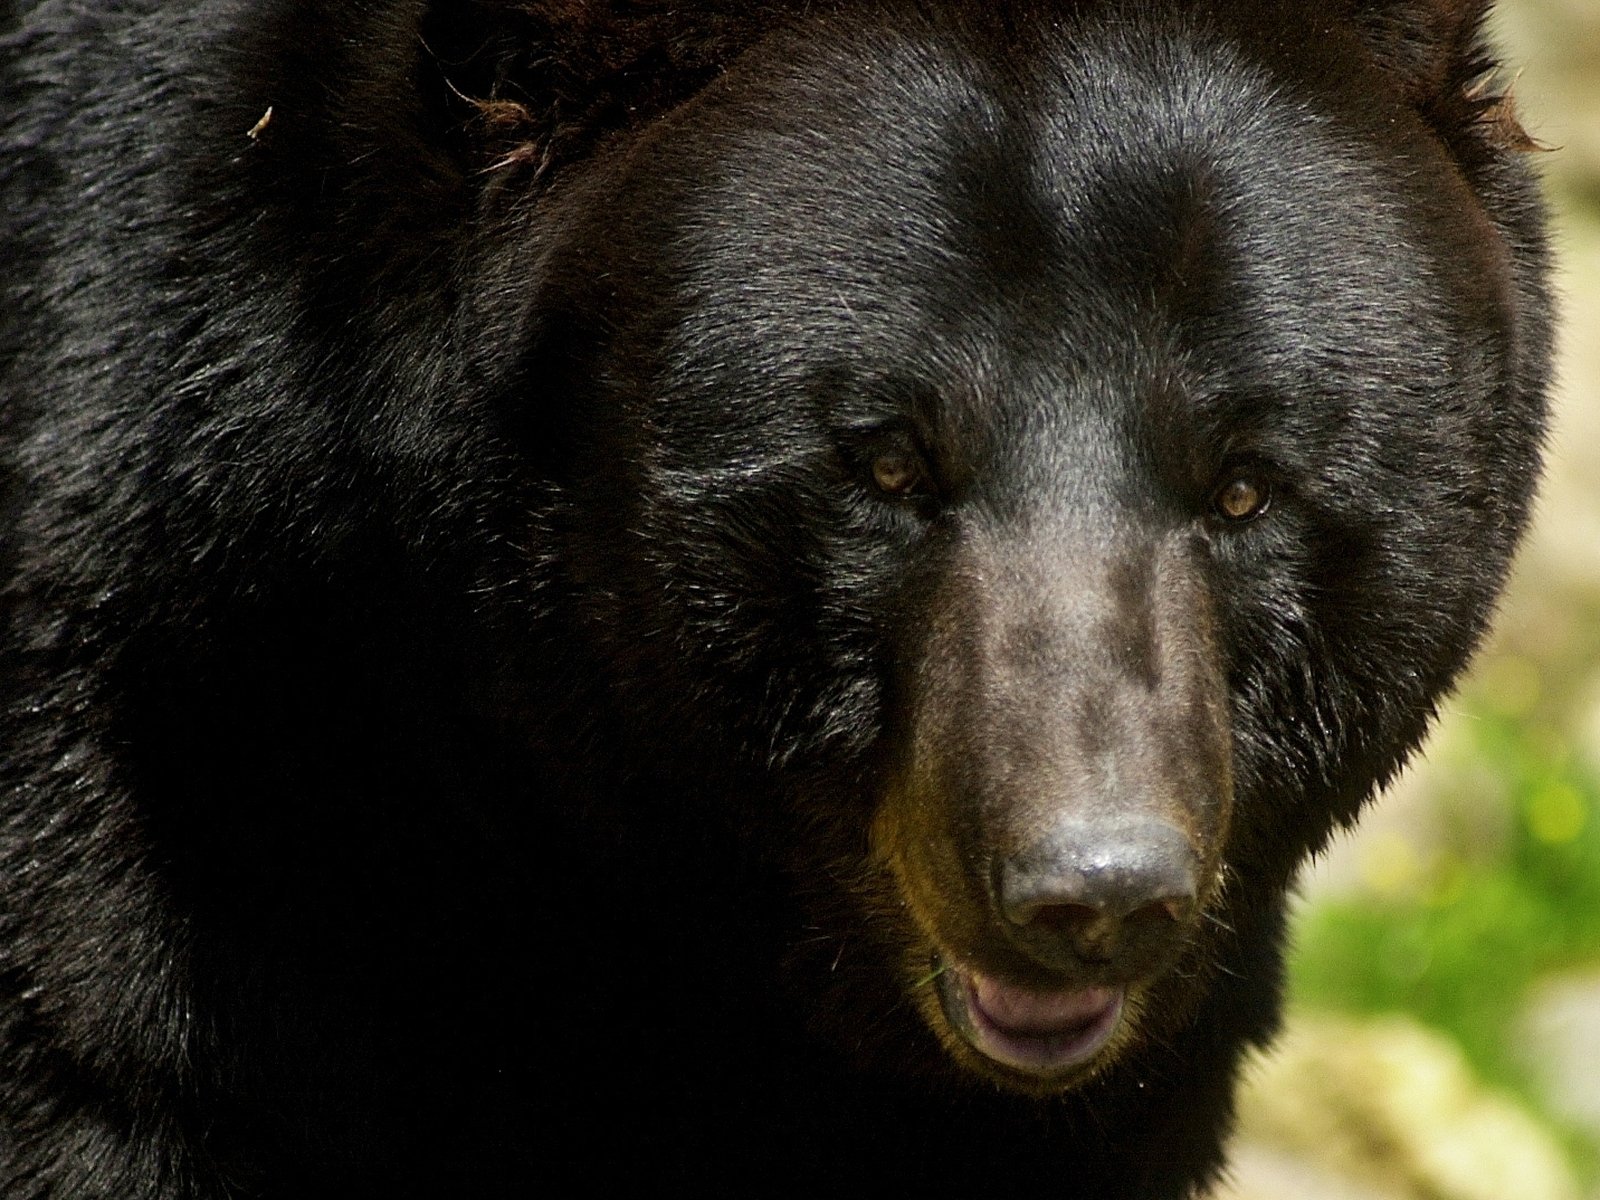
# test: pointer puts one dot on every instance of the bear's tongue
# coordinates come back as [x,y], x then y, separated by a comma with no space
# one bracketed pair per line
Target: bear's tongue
[1028,1013]
[1039,1031]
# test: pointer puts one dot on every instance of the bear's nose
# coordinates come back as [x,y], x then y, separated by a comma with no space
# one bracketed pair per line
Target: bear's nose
[1110,891]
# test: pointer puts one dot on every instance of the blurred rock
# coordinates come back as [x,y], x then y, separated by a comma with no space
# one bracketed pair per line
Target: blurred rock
[1562,1035]
[1384,1110]
[1261,1172]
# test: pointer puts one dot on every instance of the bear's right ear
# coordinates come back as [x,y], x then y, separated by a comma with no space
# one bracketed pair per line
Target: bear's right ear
[1436,52]
[535,84]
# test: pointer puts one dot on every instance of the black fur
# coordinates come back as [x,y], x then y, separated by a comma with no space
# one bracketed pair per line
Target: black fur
[466,701]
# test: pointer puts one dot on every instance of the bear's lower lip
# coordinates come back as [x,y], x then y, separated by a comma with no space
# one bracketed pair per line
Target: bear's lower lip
[1039,1031]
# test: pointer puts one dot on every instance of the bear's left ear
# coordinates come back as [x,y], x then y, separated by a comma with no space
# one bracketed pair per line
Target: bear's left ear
[1436,52]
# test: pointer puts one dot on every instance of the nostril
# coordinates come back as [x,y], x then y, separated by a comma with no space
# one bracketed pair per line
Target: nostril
[1068,918]
[1093,934]
[1098,935]
[1177,908]
[1063,918]
[1080,919]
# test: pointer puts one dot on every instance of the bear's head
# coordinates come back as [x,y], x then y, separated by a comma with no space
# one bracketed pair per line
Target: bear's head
[1043,470]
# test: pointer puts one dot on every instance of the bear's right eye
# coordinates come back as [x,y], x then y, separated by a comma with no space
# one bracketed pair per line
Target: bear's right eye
[898,472]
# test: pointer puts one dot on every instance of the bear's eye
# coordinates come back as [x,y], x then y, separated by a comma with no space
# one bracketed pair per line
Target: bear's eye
[1241,498]
[898,472]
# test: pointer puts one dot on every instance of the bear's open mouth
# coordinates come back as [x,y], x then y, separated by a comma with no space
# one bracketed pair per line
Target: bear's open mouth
[1038,1031]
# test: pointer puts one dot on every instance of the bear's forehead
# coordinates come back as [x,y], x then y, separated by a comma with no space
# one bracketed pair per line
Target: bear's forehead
[906,188]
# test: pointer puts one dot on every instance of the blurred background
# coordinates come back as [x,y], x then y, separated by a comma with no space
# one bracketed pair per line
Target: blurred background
[1444,1030]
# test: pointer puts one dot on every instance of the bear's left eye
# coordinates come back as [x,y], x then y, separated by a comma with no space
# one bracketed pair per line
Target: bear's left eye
[898,472]
[1242,497]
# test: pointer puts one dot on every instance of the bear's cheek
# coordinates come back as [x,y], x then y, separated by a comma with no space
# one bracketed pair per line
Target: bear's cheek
[1055,825]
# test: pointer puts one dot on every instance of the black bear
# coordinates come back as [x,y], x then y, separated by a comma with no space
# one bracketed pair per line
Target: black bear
[602,595]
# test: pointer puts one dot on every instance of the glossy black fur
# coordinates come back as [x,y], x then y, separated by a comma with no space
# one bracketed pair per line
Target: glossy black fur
[456,663]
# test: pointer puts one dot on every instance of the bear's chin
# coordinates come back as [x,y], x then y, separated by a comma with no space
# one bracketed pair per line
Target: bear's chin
[1030,1039]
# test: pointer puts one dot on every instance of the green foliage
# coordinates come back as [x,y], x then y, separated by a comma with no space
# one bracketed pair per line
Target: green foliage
[1458,938]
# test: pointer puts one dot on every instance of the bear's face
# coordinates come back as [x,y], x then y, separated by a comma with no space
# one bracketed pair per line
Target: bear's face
[1051,497]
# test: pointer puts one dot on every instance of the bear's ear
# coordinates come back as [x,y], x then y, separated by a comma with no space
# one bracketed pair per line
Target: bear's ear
[1436,52]
[533,84]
